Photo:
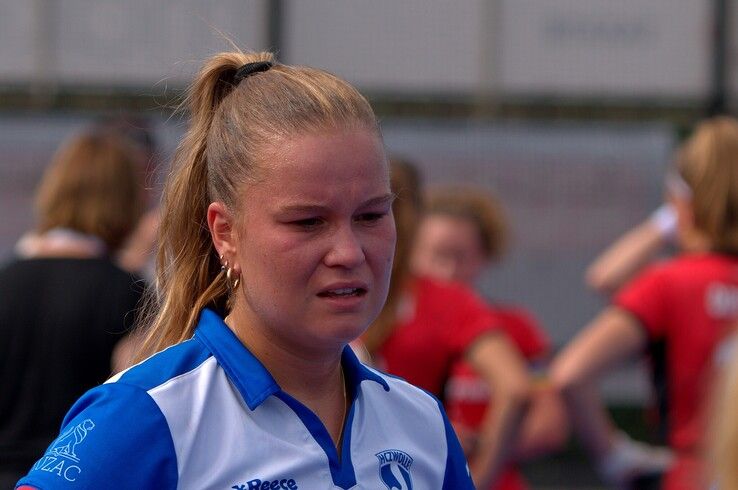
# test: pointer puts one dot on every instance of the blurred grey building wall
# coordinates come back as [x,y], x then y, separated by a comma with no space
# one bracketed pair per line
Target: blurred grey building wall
[593,48]
[136,43]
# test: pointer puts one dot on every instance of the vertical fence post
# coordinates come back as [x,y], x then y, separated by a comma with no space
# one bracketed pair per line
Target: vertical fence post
[717,103]
[275,32]
[43,83]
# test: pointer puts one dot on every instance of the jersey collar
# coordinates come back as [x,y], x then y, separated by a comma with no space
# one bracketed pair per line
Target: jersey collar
[356,372]
[249,375]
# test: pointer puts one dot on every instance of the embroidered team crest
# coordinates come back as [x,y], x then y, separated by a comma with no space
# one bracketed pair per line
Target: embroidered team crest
[61,459]
[67,442]
[394,469]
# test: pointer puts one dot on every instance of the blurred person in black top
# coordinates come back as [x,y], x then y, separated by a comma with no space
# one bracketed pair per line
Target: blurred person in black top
[64,303]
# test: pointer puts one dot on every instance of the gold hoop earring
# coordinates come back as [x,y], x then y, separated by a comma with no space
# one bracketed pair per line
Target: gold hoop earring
[232,283]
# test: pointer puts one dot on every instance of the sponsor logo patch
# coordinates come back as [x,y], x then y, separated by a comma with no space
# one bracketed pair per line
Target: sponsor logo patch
[258,484]
[394,469]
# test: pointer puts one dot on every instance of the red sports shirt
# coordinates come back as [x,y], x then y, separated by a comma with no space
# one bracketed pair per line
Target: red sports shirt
[439,323]
[690,303]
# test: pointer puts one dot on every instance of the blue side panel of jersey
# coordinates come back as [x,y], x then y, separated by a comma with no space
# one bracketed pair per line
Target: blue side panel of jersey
[457,475]
[115,436]
[167,364]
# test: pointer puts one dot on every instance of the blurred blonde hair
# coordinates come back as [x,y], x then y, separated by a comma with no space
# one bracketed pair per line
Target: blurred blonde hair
[475,205]
[405,184]
[708,163]
[92,186]
[235,126]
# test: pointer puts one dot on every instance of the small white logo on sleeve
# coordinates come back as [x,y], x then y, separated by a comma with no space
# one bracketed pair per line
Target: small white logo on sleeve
[394,469]
[61,458]
[721,301]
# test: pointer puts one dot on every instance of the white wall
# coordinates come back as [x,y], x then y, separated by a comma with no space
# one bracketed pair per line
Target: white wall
[732,54]
[135,42]
[605,47]
[413,45]
[590,48]
[16,41]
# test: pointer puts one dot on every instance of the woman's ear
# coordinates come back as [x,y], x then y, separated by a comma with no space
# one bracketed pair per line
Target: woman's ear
[220,224]
[691,238]
[683,209]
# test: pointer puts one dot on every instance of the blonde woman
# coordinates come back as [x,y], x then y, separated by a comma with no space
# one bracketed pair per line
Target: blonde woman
[276,246]
[690,303]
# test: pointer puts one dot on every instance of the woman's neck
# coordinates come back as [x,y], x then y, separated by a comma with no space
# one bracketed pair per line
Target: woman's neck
[696,242]
[60,242]
[314,378]
[301,372]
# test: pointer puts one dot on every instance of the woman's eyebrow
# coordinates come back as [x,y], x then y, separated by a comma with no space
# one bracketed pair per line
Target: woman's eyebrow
[379,200]
[383,199]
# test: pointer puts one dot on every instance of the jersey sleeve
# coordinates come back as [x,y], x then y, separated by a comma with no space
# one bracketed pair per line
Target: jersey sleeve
[472,318]
[456,476]
[115,436]
[645,298]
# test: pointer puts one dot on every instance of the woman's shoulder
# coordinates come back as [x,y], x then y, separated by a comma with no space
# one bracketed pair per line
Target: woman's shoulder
[398,394]
[437,295]
[135,390]
[431,286]
[113,436]
[120,431]
[73,267]
[690,266]
[177,362]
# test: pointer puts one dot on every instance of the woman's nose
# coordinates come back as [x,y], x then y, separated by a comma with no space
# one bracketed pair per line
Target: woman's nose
[346,249]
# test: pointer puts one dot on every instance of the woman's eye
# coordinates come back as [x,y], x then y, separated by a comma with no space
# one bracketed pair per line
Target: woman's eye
[307,223]
[371,217]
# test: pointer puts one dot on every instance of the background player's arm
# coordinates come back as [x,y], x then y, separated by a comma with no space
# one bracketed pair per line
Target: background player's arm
[628,254]
[612,337]
[545,427]
[496,359]
[608,340]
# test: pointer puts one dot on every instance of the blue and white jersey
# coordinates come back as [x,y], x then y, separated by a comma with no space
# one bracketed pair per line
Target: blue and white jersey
[206,414]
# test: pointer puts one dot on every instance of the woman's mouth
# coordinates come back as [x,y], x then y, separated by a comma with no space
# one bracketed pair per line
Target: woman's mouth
[342,292]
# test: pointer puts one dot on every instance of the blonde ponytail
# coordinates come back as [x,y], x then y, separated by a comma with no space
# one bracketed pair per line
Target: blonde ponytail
[188,272]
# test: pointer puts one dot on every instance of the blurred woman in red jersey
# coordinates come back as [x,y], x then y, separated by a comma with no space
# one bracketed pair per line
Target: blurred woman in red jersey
[427,326]
[462,233]
[689,303]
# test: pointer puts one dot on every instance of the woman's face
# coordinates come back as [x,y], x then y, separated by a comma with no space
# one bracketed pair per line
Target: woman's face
[448,248]
[314,240]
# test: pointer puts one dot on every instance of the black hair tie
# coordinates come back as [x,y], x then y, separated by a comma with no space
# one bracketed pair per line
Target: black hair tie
[250,68]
